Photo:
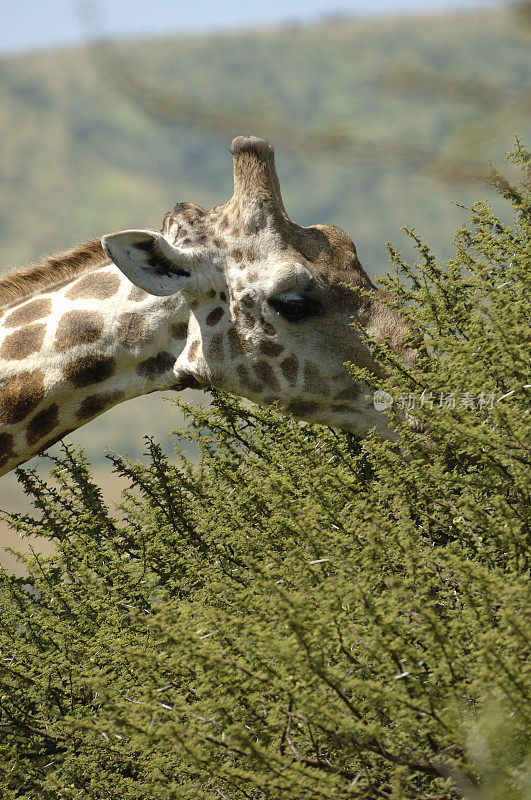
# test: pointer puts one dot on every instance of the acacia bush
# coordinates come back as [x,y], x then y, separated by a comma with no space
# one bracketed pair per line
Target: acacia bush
[299,614]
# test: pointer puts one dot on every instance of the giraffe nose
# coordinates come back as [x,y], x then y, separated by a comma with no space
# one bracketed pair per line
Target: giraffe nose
[256,184]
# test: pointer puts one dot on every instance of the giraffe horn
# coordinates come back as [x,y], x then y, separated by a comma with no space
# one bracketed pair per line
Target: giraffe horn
[256,181]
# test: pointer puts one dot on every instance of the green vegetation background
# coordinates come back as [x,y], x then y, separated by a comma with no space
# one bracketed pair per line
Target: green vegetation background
[299,615]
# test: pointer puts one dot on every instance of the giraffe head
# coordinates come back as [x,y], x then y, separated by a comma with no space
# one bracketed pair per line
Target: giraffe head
[270,302]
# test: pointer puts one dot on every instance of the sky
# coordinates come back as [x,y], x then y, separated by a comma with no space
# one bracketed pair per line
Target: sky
[38,24]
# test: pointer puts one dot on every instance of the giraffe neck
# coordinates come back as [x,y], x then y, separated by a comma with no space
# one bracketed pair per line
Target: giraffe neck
[71,352]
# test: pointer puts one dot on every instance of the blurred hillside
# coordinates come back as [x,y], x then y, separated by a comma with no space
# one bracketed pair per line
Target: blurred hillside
[377,123]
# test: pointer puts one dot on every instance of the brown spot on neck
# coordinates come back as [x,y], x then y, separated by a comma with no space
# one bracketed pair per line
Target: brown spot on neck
[78,327]
[94,404]
[23,342]
[137,294]
[96,285]
[29,312]
[20,395]
[42,424]
[156,365]
[131,329]
[89,369]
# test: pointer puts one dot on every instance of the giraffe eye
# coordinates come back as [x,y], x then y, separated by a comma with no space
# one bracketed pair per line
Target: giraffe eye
[295,307]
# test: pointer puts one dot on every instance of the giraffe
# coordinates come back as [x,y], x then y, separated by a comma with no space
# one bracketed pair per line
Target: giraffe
[238,297]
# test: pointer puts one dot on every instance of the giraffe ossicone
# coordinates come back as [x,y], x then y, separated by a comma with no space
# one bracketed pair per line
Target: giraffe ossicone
[238,297]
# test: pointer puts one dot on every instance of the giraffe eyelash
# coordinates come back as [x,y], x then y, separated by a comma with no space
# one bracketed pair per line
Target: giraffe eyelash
[294,307]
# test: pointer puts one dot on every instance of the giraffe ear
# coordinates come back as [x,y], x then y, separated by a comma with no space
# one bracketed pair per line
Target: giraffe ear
[149,260]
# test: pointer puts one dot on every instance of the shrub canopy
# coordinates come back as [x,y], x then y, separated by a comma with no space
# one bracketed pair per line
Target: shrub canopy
[299,614]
